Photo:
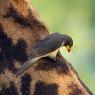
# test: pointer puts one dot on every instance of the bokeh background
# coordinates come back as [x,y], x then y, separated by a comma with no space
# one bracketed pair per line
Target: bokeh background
[77,19]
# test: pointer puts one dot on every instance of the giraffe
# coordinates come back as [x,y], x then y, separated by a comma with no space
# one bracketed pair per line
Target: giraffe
[20,29]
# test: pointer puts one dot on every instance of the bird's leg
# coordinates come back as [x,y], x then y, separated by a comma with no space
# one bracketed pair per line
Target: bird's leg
[58,62]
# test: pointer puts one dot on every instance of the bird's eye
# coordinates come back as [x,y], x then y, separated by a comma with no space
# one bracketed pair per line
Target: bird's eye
[70,44]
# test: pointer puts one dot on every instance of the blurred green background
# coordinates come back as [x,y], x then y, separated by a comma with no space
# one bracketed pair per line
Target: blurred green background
[77,19]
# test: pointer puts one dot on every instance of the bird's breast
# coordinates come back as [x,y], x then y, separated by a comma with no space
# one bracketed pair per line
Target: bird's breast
[53,54]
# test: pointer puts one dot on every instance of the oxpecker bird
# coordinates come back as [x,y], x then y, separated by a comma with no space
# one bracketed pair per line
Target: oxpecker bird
[47,47]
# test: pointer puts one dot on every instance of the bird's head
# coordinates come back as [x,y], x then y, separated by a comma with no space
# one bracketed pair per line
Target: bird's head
[67,42]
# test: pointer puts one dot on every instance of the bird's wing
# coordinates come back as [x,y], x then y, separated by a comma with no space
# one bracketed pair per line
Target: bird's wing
[45,46]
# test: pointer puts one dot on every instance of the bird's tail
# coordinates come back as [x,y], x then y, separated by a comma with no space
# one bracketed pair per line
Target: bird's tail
[24,67]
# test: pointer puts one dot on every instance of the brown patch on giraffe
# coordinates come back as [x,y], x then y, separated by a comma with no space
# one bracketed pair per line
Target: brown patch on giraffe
[48,64]
[12,90]
[11,52]
[12,13]
[74,89]
[30,20]
[21,6]
[25,89]
[46,89]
